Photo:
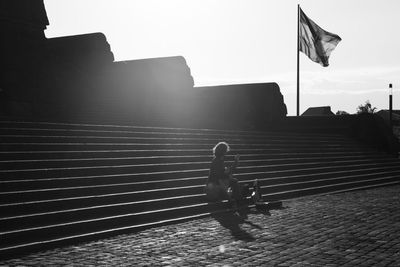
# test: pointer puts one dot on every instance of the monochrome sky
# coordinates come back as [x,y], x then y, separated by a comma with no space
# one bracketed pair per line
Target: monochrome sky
[248,41]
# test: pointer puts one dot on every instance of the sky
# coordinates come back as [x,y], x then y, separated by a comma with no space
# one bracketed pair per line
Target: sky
[252,41]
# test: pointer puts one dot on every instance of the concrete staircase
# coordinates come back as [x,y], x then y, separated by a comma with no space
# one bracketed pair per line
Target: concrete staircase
[67,183]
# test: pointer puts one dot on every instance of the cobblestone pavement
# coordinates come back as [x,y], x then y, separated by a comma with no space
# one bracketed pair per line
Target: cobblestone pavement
[359,228]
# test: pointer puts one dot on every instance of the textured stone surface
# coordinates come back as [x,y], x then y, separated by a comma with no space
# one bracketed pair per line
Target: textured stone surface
[350,229]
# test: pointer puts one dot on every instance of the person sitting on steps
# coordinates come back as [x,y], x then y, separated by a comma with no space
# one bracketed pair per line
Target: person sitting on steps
[221,184]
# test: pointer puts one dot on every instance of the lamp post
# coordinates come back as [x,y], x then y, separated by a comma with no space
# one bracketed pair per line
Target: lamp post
[390,105]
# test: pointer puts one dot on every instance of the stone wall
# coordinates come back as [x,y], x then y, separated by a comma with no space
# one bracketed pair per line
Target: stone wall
[244,106]
[75,78]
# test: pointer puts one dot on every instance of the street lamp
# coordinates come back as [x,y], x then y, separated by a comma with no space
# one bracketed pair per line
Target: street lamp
[390,105]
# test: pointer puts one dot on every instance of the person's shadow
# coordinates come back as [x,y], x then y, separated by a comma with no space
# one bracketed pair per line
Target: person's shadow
[233,220]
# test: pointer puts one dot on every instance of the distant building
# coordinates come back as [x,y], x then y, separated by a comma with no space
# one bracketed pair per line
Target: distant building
[318,111]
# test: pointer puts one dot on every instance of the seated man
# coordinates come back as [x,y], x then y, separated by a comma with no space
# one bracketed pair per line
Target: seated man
[221,184]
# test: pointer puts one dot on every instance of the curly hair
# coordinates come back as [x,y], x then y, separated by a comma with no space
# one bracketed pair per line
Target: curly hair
[220,149]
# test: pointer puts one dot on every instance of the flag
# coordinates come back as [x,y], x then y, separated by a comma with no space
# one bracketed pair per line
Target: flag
[314,41]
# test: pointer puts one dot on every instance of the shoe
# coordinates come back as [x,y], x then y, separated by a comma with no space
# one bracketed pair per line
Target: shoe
[229,192]
[237,214]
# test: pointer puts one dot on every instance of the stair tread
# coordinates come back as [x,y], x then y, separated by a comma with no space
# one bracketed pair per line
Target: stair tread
[183,206]
[190,163]
[385,175]
[281,179]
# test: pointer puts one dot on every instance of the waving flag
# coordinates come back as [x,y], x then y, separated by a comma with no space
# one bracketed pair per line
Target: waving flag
[314,41]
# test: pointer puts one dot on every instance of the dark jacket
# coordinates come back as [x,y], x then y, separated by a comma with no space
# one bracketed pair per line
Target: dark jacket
[217,170]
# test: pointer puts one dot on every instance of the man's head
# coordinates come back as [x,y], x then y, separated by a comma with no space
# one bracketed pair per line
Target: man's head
[221,149]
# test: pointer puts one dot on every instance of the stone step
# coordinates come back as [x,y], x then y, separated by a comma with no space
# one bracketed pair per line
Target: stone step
[307,147]
[154,162]
[147,194]
[147,191]
[148,138]
[173,167]
[96,212]
[26,236]
[11,127]
[9,251]
[84,227]
[163,155]
[108,180]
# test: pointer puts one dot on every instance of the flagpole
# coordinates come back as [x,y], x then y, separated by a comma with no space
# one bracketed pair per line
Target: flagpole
[298,60]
